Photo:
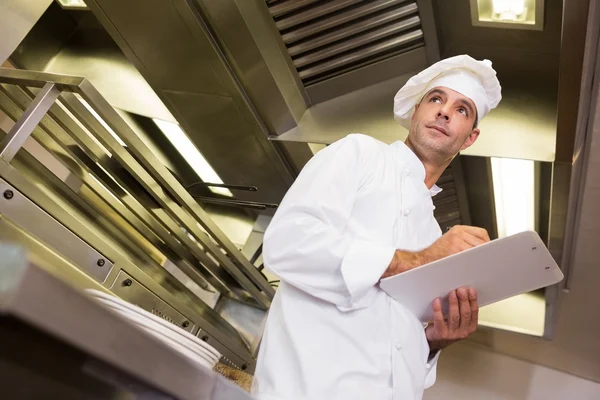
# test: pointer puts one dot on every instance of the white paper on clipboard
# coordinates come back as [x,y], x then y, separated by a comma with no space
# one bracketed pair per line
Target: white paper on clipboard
[499,269]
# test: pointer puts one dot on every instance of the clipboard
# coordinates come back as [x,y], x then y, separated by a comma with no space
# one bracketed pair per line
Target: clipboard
[499,269]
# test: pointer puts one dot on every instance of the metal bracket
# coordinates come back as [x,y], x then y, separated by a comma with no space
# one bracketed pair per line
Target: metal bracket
[29,120]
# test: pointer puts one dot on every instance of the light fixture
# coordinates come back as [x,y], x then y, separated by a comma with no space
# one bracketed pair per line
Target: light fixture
[515,14]
[73,4]
[514,195]
[190,153]
[509,10]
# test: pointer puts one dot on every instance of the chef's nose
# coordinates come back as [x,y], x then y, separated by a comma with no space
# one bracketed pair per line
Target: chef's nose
[443,113]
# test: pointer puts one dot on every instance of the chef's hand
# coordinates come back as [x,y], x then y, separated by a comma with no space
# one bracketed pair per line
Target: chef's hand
[457,239]
[463,314]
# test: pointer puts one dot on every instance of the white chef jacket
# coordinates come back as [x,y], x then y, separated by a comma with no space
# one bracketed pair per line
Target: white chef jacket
[331,332]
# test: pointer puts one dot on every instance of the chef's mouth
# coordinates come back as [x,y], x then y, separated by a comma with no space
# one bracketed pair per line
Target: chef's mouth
[439,129]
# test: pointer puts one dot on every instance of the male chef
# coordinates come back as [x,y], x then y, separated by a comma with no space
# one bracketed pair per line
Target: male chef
[360,211]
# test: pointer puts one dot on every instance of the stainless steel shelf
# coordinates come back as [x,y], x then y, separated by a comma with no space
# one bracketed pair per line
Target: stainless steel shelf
[92,177]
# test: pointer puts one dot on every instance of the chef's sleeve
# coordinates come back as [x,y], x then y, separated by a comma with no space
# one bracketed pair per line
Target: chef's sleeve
[431,370]
[307,243]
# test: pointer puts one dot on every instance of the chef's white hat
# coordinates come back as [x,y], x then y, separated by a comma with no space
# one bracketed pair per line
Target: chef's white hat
[475,79]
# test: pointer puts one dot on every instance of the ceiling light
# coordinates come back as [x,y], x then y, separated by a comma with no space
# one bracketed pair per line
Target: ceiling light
[190,153]
[508,10]
[516,14]
[72,4]
[514,195]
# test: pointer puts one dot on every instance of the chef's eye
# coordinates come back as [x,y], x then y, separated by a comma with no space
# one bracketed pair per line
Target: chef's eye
[463,111]
[436,99]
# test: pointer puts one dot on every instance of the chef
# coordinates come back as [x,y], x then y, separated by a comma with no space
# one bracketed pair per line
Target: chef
[360,211]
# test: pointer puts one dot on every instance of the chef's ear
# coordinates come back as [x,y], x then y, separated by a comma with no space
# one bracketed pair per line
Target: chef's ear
[412,118]
[471,139]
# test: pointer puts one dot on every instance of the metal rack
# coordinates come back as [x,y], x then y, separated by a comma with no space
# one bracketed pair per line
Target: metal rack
[105,203]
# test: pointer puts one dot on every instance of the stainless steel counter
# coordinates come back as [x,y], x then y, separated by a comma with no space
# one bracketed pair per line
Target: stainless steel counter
[57,343]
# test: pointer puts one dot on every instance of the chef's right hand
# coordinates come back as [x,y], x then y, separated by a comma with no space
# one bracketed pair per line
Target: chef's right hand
[457,239]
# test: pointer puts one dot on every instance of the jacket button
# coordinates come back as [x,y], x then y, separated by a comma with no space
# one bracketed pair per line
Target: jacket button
[398,346]
[406,212]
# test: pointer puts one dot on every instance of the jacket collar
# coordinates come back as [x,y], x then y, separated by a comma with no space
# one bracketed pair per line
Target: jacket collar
[405,158]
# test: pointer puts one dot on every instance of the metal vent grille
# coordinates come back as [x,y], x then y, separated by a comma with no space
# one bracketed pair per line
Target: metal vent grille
[327,38]
[158,313]
[447,208]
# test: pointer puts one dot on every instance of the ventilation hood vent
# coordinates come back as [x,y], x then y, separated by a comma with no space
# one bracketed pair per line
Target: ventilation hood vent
[328,38]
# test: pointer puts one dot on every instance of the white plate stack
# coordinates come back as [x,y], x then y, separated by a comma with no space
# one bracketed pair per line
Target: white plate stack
[177,338]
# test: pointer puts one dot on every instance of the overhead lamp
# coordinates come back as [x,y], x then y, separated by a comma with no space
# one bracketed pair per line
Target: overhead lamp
[192,156]
[509,10]
[73,4]
[513,14]
[514,195]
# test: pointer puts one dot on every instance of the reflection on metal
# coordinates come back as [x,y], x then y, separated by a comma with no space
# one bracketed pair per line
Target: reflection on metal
[223,185]
[326,40]
[127,287]
[198,82]
[21,211]
[587,118]
[127,208]
[78,349]
[332,22]
[236,203]
[17,17]
[248,322]
[31,117]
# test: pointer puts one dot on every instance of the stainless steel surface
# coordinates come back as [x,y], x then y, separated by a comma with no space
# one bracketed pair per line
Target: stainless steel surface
[164,177]
[190,214]
[253,48]
[19,133]
[106,340]
[236,203]
[121,221]
[46,257]
[429,30]
[313,13]
[224,337]
[250,323]
[205,96]
[407,41]
[20,211]
[586,117]
[336,20]
[371,75]
[127,287]
[347,31]
[372,36]
[288,6]
[90,52]
[321,37]
[111,188]
[33,79]
[262,64]
[18,17]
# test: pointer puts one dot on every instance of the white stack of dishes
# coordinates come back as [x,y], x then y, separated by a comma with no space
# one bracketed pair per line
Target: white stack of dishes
[178,339]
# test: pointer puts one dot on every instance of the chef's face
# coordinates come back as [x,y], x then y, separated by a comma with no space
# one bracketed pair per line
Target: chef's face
[443,124]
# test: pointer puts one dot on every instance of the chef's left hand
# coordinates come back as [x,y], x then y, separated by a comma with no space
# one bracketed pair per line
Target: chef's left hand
[463,313]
